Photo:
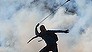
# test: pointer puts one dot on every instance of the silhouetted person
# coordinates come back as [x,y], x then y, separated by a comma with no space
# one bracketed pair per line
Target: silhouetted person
[49,37]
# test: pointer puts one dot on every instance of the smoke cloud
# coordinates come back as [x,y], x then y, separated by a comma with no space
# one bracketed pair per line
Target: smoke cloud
[18,19]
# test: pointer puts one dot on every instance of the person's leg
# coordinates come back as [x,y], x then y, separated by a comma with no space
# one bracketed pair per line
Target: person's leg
[55,49]
[45,49]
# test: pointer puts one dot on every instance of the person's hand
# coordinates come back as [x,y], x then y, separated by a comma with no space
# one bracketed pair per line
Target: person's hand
[67,31]
[37,25]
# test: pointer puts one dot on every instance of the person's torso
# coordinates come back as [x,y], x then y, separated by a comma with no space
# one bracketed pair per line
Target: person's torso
[49,37]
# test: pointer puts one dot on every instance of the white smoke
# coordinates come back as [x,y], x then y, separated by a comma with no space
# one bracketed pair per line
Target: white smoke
[18,19]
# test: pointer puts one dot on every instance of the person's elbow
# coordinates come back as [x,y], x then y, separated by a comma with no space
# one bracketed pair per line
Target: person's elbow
[36,33]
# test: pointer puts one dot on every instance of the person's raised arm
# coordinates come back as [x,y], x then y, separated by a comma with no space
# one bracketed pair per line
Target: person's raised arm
[59,31]
[36,31]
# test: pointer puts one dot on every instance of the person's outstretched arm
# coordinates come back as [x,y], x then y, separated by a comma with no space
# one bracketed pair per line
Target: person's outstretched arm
[36,31]
[59,31]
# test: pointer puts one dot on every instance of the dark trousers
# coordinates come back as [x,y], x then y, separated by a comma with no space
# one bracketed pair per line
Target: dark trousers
[48,48]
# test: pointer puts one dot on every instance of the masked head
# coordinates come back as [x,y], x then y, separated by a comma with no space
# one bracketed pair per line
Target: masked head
[42,28]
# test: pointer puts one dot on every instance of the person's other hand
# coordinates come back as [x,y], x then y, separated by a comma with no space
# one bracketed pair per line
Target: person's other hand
[67,31]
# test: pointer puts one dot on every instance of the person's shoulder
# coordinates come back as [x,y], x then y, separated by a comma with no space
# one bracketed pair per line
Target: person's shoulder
[49,31]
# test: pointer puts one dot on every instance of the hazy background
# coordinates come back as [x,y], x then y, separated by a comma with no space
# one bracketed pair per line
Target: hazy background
[18,19]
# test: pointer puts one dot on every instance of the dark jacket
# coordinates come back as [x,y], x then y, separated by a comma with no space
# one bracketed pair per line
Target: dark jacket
[49,37]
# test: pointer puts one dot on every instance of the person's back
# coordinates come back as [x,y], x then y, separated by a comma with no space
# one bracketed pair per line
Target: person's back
[49,37]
